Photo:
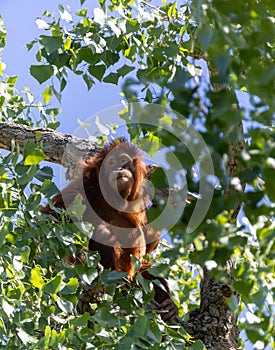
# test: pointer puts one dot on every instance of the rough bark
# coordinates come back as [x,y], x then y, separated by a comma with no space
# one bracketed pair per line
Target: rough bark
[233,167]
[63,149]
[213,322]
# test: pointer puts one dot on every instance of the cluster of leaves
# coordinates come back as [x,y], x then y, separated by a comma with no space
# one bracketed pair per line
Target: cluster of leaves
[119,39]
[40,292]
[193,58]
[241,54]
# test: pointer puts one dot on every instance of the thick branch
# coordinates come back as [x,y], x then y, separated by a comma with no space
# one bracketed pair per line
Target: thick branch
[213,322]
[233,167]
[59,148]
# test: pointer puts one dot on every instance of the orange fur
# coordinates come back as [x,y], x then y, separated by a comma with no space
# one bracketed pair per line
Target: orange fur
[115,247]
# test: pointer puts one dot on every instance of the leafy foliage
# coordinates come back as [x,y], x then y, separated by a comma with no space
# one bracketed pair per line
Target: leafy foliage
[195,58]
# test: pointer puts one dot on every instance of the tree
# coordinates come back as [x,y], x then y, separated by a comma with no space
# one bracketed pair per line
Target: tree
[195,59]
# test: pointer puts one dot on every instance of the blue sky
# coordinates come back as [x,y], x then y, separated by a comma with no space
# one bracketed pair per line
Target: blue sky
[77,102]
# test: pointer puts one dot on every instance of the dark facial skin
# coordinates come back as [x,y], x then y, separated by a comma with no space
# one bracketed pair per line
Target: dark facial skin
[119,169]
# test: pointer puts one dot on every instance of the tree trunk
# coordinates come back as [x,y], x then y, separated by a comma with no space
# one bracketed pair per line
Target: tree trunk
[213,322]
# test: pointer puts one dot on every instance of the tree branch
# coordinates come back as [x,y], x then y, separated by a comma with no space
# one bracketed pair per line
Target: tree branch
[63,149]
[213,322]
[233,167]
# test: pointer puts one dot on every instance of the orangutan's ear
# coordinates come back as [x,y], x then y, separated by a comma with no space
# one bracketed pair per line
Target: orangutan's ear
[150,168]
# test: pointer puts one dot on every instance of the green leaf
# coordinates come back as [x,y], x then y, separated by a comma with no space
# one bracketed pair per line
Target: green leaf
[253,335]
[148,96]
[97,71]
[36,278]
[63,84]
[47,334]
[88,55]
[56,94]
[132,25]
[130,52]
[51,43]
[53,112]
[81,321]
[53,126]
[260,297]
[48,188]
[141,326]
[146,285]
[27,176]
[109,57]
[41,73]
[82,12]
[35,157]
[112,78]
[198,345]
[113,276]
[77,208]
[25,253]
[60,60]
[16,293]
[12,80]
[71,286]
[205,36]
[105,318]
[269,175]
[44,173]
[172,11]
[53,286]
[161,270]
[243,287]
[2,100]
[5,229]
[124,70]
[33,201]
[88,80]
[47,94]
[172,49]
